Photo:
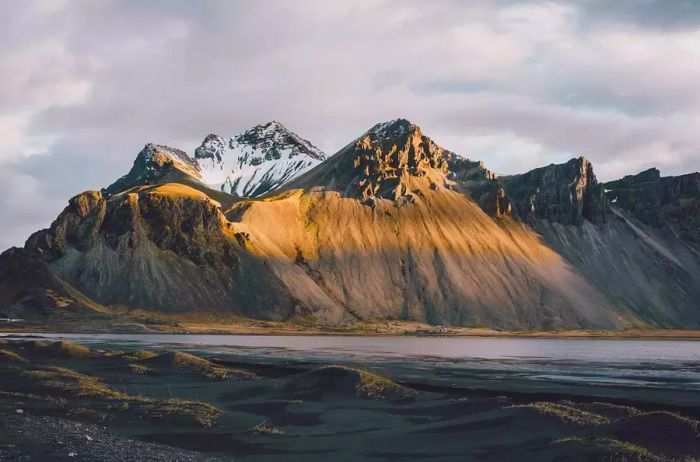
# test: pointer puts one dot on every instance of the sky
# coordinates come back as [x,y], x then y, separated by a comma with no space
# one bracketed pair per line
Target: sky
[517,84]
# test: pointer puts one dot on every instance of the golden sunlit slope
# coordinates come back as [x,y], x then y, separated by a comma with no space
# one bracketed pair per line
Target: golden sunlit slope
[440,259]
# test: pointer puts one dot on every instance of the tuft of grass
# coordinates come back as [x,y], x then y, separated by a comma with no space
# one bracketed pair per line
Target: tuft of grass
[566,413]
[73,384]
[194,363]
[138,355]
[263,429]
[631,411]
[63,349]
[139,369]
[363,383]
[374,386]
[7,356]
[182,410]
[621,451]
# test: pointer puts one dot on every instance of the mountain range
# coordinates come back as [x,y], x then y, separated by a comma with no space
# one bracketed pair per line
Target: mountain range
[394,227]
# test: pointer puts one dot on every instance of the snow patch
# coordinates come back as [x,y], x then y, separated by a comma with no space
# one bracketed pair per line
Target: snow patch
[256,161]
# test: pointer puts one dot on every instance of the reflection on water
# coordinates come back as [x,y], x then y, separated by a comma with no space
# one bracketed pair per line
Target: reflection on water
[652,351]
[659,370]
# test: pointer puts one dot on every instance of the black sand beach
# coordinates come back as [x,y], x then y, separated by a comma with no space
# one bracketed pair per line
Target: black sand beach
[64,401]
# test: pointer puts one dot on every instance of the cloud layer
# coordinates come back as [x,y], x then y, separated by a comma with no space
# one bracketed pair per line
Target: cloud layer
[517,84]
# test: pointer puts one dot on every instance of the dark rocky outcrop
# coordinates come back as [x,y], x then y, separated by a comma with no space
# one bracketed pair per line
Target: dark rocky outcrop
[30,290]
[165,247]
[661,201]
[565,193]
[78,226]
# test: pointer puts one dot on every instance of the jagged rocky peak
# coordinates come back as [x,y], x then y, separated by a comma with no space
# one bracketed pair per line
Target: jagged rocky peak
[390,152]
[566,193]
[212,147]
[274,136]
[156,163]
[256,161]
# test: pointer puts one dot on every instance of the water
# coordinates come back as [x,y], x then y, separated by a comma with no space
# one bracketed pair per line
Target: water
[665,371]
[591,350]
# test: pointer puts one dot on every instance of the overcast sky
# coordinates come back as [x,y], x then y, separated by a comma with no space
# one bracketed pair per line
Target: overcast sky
[85,84]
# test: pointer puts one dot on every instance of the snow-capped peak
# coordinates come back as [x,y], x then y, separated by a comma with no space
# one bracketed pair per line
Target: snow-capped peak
[256,161]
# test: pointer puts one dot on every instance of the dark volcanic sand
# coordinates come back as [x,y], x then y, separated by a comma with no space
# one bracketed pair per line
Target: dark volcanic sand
[290,407]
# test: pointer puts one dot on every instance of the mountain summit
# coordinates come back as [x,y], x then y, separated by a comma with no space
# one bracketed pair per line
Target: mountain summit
[158,164]
[256,161]
[380,163]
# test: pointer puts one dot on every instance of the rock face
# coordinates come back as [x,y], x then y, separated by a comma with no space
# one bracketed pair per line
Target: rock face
[165,247]
[659,202]
[256,161]
[391,227]
[567,193]
[30,290]
[379,165]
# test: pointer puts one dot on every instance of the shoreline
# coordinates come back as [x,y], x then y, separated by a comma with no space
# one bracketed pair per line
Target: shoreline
[370,330]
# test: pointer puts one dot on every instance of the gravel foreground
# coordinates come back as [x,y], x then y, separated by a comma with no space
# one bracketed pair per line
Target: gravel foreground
[41,438]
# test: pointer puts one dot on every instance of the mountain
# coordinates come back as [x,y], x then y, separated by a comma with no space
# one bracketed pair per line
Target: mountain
[256,161]
[393,226]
